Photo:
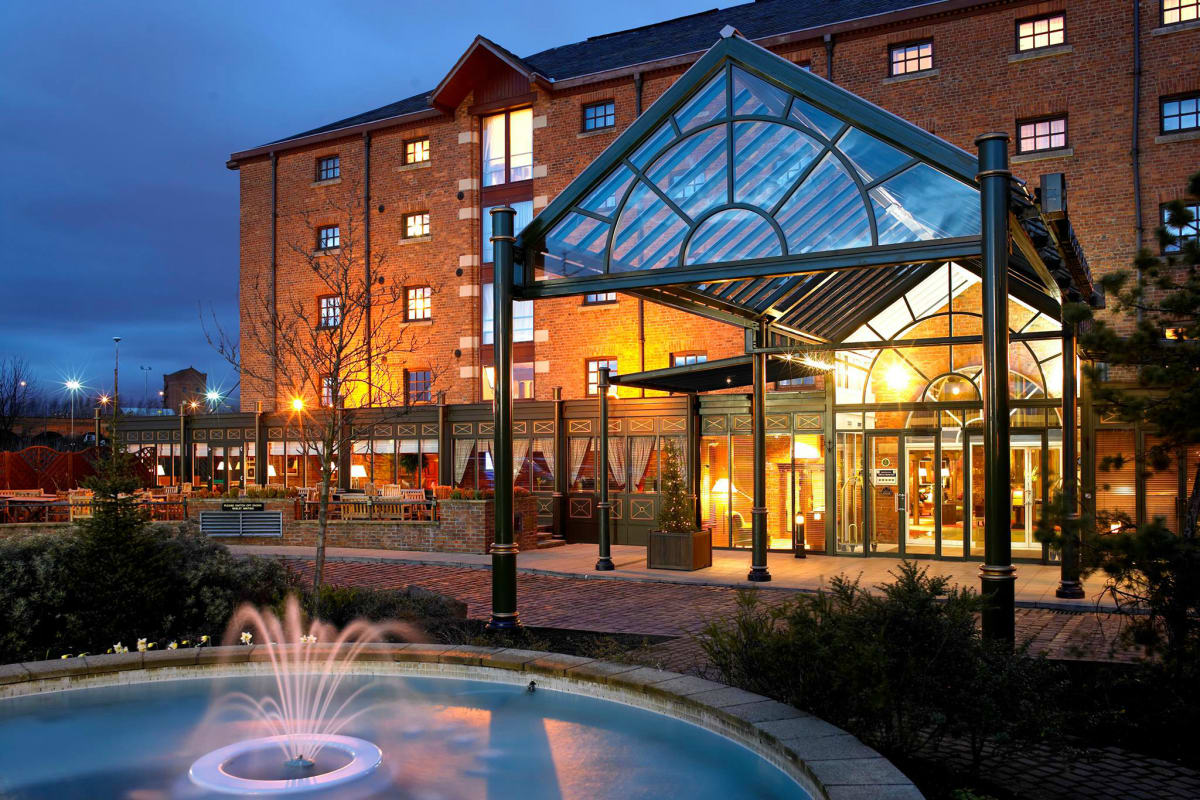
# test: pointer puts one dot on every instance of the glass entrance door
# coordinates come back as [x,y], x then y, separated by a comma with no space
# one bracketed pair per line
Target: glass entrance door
[849,528]
[885,482]
[923,494]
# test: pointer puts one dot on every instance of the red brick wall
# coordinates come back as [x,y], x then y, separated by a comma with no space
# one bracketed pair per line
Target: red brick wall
[977,88]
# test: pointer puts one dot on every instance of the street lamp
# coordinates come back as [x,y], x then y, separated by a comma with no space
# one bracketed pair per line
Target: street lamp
[116,367]
[213,397]
[73,386]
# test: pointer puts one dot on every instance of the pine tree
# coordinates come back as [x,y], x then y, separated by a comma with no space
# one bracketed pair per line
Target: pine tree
[675,515]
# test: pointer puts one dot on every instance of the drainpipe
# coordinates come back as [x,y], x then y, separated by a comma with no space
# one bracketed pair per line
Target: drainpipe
[274,266]
[560,472]
[637,93]
[637,97]
[829,56]
[367,256]
[1135,152]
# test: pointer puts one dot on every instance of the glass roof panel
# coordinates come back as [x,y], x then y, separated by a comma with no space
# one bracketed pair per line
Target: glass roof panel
[815,118]
[734,233]
[694,173]
[826,212]
[606,197]
[922,203]
[768,158]
[871,157]
[753,95]
[649,233]
[706,105]
[575,247]
[648,149]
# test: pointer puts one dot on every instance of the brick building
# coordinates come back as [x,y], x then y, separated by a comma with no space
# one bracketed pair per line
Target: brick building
[1114,111]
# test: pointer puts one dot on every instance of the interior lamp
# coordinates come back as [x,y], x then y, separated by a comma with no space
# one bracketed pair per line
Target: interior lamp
[896,377]
[723,487]
[358,471]
[804,450]
[161,471]
[270,470]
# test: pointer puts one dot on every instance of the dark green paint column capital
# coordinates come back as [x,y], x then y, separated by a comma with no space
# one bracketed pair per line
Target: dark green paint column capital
[504,548]
[997,575]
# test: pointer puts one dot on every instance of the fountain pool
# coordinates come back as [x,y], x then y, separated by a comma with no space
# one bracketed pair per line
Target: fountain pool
[437,738]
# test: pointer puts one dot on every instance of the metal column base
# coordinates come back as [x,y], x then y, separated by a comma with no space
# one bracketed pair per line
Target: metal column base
[604,564]
[1070,590]
[504,622]
[759,575]
[998,589]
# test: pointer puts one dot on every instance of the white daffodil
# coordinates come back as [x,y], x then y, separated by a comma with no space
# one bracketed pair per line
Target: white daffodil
[247,637]
[308,638]
[204,639]
[66,655]
[141,645]
[173,646]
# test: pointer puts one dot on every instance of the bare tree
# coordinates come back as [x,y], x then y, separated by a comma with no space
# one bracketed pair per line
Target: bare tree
[16,392]
[333,348]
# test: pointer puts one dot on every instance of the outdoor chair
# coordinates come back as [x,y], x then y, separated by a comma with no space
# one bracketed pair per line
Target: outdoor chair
[355,506]
[414,503]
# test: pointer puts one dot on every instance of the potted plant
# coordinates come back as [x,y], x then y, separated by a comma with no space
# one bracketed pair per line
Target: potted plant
[676,543]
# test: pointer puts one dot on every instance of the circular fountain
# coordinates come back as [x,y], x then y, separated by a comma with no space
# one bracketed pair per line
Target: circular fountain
[255,766]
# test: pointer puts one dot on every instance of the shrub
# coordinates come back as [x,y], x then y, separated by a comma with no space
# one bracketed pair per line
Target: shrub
[340,605]
[901,669]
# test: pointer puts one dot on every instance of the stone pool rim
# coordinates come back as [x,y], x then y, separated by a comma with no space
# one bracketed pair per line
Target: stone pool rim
[828,762]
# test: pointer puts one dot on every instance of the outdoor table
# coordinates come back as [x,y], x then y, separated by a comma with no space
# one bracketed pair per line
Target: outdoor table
[29,509]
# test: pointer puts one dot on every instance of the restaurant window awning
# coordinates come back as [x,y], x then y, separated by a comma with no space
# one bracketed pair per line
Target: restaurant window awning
[710,376]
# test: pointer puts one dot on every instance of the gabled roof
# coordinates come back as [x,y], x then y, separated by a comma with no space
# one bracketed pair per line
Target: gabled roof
[682,36]
[753,190]
[481,58]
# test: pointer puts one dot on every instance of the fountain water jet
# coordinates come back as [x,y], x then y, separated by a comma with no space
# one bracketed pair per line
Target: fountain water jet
[305,715]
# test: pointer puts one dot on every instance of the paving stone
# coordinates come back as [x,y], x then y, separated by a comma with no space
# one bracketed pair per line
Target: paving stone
[180,657]
[762,711]
[642,677]
[803,727]
[556,664]
[112,662]
[687,685]
[909,792]
[60,668]
[424,653]
[726,696]
[829,748]
[600,670]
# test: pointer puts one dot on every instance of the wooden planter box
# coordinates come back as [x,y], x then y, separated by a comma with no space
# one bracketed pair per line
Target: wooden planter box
[686,551]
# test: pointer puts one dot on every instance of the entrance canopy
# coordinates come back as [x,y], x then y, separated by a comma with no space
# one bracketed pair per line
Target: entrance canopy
[754,191]
[709,376]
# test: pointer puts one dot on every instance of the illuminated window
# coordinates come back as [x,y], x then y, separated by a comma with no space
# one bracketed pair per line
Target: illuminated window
[599,115]
[420,304]
[1181,113]
[1046,31]
[328,390]
[329,237]
[683,359]
[1187,232]
[508,147]
[416,225]
[522,382]
[1043,134]
[599,298]
[416,151]
[328,168]
[1174,11]
[330,311]
[593,372]
[418,386]
[910,58]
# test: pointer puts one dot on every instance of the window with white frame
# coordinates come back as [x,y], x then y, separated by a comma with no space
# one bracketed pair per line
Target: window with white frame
[594,365]
[599,115]
[599,298]
[684,359]
[419,303]
[416,225]
[329,237]
[329,311]
[1176,11]
[329,167]
[508,147]
[328,391]
[416,151]
[418,386]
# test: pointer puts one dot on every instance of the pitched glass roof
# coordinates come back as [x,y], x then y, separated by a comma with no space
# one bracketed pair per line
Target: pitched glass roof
[743,169]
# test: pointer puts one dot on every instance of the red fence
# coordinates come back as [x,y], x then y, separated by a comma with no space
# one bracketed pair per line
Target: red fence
[46,469]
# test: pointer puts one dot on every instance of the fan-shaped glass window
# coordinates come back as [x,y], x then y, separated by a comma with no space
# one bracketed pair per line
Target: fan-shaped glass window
[754,96]
[693,172]
[739,140]
[826,212]
[768,160]
[576,247]
[649,233]
[735,230]
[922,203]
[706,105]
[953,388]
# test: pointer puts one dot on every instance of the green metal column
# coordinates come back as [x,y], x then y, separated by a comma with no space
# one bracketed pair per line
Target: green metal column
[1069,584]
[262,455]
[758,513]
[829,429]
[603,516]
[446,476]
[997,575]
[560,469]
[504,550]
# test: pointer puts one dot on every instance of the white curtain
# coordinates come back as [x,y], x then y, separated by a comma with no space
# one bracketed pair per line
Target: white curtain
[578,447]
[485,455]
[546,448]
[616,461]
[520,450]
[462,457]
[641,452]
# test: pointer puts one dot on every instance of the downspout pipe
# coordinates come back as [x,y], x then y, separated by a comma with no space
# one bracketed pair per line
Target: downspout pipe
[1135,151]
[367,278]
[274,273]
[829,57]
[641,306]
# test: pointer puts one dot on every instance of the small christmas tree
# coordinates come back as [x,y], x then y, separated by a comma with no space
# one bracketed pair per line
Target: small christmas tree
[675,515]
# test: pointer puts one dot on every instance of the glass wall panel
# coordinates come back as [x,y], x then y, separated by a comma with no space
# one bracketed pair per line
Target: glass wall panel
[251,464]
[886,481]
[953,492]
[275,463]
[429,463]
[715,487]
[581,469]
[360,465]
[201,465]
[781,491]
[922,496]
[382,467]
[542,464]
[643,463]
[808,470]
[741,484]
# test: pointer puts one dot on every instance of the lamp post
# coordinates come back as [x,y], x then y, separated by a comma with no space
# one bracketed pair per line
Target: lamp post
[73,386]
